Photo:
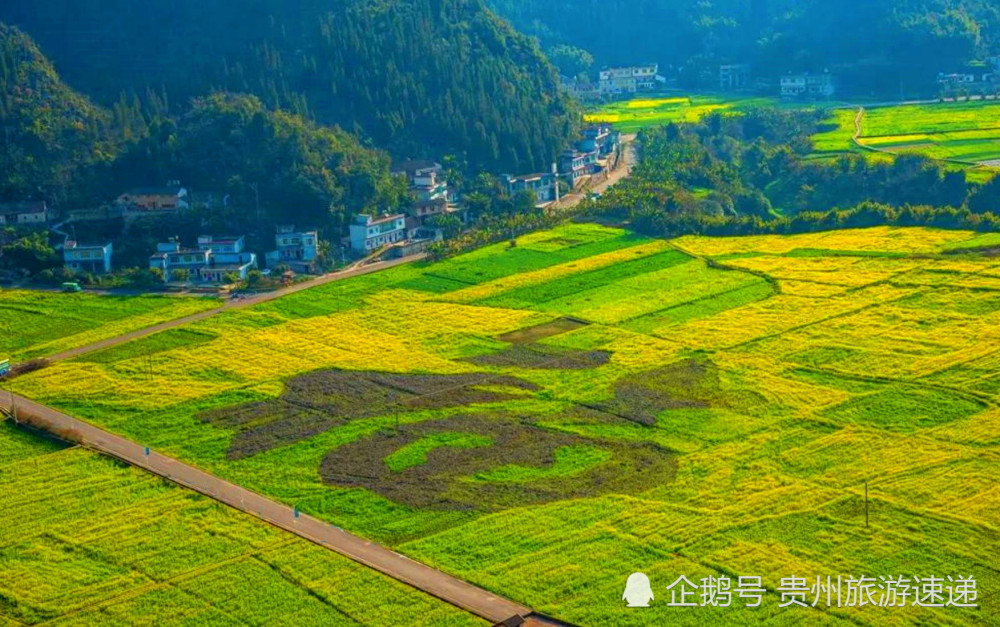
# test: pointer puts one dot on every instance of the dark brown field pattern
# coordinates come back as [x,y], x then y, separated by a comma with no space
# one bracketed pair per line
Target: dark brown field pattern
[540,356]
[315,402]
[687,383]
[542,331]
[451,477]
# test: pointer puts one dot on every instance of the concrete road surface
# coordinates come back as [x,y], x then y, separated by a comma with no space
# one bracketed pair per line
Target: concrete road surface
[434,582]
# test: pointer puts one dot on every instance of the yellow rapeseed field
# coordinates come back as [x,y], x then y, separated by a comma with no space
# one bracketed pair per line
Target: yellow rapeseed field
[780,375]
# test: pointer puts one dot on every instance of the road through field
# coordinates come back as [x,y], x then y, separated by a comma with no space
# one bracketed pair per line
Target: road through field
[236,304]
[434,582]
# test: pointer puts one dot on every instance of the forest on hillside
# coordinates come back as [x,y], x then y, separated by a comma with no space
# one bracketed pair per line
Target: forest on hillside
[420,78]
[876,47]
[61,147]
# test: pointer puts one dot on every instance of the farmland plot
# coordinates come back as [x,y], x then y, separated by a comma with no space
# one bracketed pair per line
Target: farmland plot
[546,419]
[88,541]
[36,324]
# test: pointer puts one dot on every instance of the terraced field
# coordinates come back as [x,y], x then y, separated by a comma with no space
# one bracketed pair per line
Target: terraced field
[965,133]
[630,116]
[36,324]
[546,419]
[87,541]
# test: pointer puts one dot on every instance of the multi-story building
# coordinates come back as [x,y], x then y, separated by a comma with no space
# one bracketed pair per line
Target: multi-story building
[735,77]
[212,261]
[808,86]
[426,179]
[628,80]
[545,186]
[369,233]
[297,248]
[575,165]
[88,258]
[969,83]
[32,213]
[601,138]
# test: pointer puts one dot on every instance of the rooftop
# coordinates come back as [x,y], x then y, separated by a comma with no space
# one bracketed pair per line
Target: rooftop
[155,191]
[27,206]
[365,219]
[414,165]
[71,245]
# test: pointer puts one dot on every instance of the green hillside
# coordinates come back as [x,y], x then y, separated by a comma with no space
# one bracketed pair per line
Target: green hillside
[420,77]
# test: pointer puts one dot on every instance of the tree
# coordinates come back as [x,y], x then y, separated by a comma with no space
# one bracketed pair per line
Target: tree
[30,252]
[180,275]
[570,60]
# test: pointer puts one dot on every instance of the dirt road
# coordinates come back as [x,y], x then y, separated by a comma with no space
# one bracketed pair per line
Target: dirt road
[236,304]
[445,587]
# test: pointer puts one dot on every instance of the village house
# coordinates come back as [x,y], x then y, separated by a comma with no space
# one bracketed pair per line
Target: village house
[969,83]
[600,138]
[808,86]
[425,178]
[628,80]
[369,233]
[211,262]
[574,166]
[429,190]
[30,213]
[95,259]
[296,248]
[544,185]
[735,77]
[580,88]
[171,197]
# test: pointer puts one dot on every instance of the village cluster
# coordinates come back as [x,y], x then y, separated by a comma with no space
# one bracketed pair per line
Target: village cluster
[225,259]
[613,82]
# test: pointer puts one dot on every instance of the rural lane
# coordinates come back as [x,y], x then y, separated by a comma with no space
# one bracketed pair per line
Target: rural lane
[236,304]
[622,171]
[434,582]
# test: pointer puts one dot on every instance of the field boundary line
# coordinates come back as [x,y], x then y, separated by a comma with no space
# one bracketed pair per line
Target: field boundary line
[170,582]
[436,583]
[859,135]
[325,279]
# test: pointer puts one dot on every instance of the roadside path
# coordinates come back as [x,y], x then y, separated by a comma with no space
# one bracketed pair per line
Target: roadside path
[230,305]
[434,582]
[623,170]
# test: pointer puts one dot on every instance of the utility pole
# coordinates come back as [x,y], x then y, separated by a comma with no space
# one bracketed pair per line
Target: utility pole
[395,401]
[866,504]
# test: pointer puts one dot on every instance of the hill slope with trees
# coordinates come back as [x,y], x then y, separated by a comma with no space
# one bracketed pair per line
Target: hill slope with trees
[418,77]
[51,135]
[876,46]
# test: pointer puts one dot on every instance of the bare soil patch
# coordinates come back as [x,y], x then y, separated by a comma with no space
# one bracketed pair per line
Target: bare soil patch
[542,331]
[540,356]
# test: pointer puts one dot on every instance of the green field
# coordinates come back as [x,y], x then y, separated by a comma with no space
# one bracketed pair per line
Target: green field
[630,116]
[545,420]
[88,541]
[964,133]
[36,324]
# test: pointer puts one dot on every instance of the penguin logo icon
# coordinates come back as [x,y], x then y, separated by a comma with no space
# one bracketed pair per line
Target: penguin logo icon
[638,591]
